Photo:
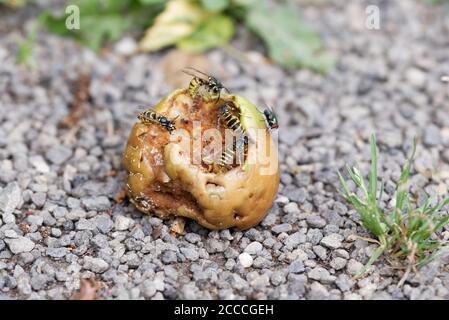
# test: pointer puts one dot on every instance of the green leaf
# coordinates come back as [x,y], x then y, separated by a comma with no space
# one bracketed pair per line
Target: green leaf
[151,2]
[215,5]
[213,32]
[290,42]
[179,20]
[103,20]
[244,3]
[110,27]
[93,31]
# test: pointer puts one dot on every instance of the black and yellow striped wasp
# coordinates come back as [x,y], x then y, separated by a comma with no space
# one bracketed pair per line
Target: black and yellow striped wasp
[151,116]
[231,121]
[228,155]
[271,119]
[200,79]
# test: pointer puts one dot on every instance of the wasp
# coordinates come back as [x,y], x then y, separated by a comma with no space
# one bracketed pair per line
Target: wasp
[227,158]
[232,122]
[271,119]
[200,79]
[151,116]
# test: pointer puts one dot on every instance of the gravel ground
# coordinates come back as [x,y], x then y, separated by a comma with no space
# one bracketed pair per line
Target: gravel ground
[59,221]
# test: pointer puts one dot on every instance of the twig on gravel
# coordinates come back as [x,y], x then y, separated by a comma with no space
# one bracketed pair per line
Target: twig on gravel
[354,237]
[77,108]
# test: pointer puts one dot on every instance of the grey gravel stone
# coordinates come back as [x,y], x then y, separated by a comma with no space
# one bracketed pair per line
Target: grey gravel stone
[214,246]
[84,224]
[344,283]
[96,265]
[10,234]
[190,254]
[315,221]
[19,245]
[332,241]
[254,248]
[100,203]
[290,208]
[296,266]
[39,199]
[169,256]
[58,154]
[35,220]
[293,240]
[320,252]
[10,198]
[338,263]
[56,252]
[354,267]
[38,162]
[122,223]
[41,281]
[318,292]
[314,236]
[285,227]
[321,275]
[148,289]
[432,136]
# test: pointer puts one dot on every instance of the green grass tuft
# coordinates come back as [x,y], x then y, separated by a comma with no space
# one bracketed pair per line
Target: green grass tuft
[406,233]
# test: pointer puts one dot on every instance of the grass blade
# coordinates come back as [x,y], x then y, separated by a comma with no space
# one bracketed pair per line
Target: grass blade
[402,193]
[372,188]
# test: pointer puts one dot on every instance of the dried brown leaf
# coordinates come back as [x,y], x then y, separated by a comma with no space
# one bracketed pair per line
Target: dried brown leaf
[88,290]
[177,226]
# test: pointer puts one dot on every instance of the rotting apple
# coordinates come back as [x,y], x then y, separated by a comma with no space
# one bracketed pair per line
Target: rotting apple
[164,180]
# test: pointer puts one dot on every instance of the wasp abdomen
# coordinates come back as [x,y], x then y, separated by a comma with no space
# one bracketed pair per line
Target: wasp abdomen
[151,116]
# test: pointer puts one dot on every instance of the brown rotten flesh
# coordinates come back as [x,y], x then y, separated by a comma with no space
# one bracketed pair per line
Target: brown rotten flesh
[164,179]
